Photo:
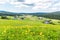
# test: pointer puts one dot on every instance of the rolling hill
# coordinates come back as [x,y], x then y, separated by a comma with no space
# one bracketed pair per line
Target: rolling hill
[53,15]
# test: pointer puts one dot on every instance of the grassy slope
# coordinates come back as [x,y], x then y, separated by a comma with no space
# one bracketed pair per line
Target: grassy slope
[28,30]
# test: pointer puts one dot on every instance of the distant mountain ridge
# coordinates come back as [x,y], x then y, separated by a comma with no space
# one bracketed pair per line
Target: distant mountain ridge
[13,13]
[53,15]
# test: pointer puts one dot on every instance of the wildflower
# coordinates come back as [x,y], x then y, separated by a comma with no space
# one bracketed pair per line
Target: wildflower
[32,33]
[26,31]
[41,33]
[5,31]
[12,34]
[16,27]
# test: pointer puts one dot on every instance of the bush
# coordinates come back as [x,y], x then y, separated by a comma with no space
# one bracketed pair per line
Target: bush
[4,17]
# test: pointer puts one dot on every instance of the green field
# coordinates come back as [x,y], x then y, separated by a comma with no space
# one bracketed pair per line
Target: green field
[29,30]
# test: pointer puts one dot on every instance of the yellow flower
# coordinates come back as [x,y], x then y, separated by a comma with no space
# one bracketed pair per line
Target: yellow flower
[41,33]
[5,31]
[26,31]
[32,33]
[12,34]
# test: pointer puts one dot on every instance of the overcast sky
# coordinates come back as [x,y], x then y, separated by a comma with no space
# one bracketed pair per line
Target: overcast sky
[30,5]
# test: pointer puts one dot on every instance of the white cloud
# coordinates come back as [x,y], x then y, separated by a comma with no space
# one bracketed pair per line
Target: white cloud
[39,5]
[46,5]
[2,2]
[15,3]
[21,6]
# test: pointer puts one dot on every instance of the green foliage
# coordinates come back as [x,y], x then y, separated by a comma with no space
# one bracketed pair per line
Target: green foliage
[29,30]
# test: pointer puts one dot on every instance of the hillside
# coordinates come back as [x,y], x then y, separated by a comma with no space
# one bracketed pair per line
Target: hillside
[28,28]
[53,15]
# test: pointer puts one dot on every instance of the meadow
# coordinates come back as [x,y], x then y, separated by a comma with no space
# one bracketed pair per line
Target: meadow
[29,30]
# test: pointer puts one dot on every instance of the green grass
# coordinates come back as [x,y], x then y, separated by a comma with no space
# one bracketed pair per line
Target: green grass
[28,30]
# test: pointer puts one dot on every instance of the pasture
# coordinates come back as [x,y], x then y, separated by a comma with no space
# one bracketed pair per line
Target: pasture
[29,29]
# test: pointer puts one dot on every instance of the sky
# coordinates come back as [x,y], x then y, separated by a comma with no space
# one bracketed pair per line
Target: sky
[28,6]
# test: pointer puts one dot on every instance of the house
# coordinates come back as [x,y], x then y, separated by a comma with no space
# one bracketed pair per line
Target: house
[41,18]
[47,22]
[15,17]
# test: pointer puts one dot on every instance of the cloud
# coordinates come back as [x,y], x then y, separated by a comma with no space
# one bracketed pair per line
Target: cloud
[15,3]
[20,0]
[29,4]
[33,5]
[2,3]
[47,5]
[4,0]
